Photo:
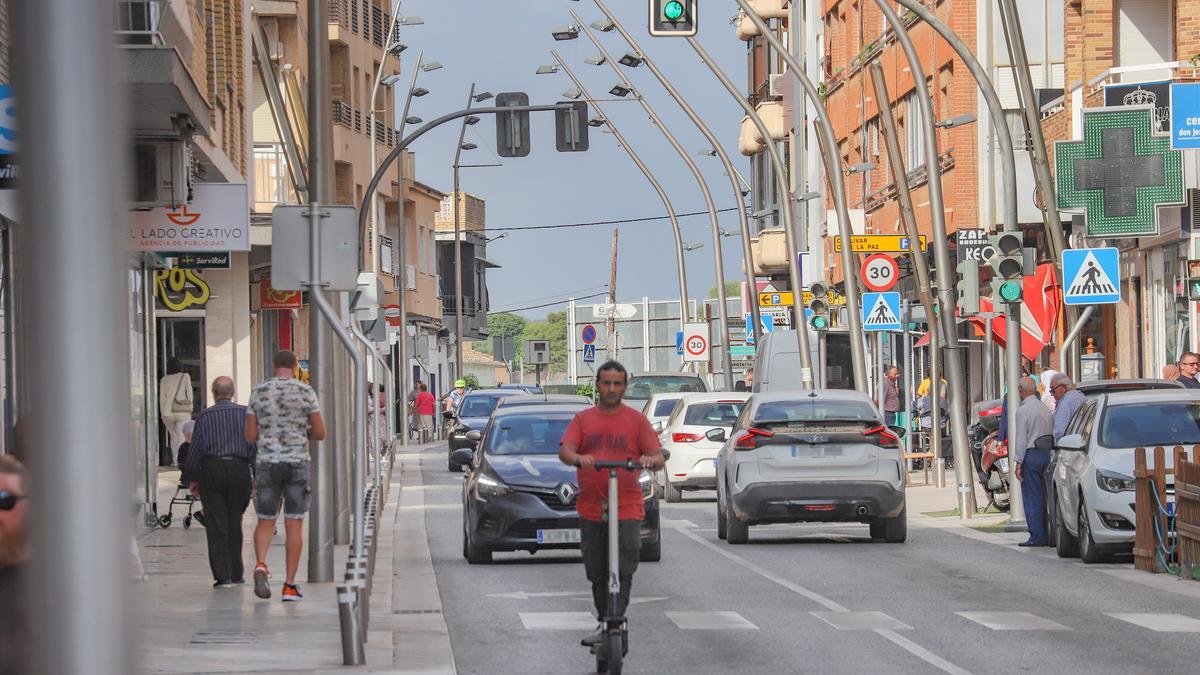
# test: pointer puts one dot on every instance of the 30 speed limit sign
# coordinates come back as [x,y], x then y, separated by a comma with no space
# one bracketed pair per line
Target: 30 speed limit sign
[695,342]
[880,273]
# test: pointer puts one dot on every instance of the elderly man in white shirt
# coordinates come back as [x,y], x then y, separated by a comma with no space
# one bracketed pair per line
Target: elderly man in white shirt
[1031,453]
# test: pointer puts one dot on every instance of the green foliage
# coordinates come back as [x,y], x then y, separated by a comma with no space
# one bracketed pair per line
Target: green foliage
[505,324]
[732,289]
[552,328]
[471,380]
[584,389]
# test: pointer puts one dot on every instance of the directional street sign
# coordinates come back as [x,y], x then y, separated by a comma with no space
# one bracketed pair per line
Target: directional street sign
[588,334]
[878,243]
[695,342]
[614,311]
[1093,276]
[767,322]
[776,299]
[880,272]
[742,352]
[881,311]
[589,353]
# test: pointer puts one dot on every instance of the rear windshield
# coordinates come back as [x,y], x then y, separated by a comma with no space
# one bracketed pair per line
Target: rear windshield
[478,406]
[713,413]
[645,386]
[1135,425]
[814,410]
[527,434]
[664,408]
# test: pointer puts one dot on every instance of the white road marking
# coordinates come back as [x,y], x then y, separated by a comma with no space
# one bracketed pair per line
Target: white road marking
[1012,621]
[902,642]
[1161,623]
[670,522]
[710,621]
[558,620]
[861,621]
[525,595]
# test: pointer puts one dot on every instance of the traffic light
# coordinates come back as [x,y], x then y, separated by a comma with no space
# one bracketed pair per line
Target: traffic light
[571,126]
[512,128]
[819,305]
[672,18]
[967,297]
[1009,265]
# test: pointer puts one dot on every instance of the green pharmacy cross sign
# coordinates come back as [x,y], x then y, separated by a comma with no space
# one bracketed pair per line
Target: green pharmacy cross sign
[1120,174]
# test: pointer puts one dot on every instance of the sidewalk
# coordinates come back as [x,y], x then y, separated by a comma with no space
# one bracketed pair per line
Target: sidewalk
[186,626]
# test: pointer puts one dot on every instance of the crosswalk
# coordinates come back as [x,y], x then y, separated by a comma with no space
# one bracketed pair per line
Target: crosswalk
[867,621]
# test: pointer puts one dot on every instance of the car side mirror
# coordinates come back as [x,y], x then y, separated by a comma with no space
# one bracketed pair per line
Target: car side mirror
[1071,443]
[474,435]
[716,435]
[462,457]
[657,426]
[898,430]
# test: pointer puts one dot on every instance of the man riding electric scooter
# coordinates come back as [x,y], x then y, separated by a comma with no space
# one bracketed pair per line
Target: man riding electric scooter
[620,439]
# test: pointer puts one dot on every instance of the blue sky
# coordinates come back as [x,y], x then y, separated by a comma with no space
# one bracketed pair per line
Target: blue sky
[499,45]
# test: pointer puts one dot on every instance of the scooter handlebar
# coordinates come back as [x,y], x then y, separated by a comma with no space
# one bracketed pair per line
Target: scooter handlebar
[628,465]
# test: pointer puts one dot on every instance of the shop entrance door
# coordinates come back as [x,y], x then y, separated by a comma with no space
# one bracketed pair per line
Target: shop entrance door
[181,338]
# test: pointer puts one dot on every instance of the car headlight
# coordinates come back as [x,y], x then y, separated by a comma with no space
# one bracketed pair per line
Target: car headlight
[1110,481]
[646,482]
[491,487]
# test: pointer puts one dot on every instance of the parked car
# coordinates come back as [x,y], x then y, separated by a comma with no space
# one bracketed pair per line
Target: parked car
[527,388]
[473,413]
[777,361]
[823,455]
[1093,481]
[642,386]
[693,457]
[659,407]
[518,496]
[544,399]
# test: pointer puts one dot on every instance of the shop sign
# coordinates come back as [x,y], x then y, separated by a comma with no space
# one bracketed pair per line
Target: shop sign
[1120,174]
[8,138]
[200,261]
[1185,116]
[1154,94]
[217,219]
[178,289]
[270,298]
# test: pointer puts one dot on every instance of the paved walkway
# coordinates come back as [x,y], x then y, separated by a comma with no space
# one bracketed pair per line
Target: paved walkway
[189,627]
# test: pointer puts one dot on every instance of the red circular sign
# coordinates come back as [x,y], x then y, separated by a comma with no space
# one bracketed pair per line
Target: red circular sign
[880,273]
[695,345]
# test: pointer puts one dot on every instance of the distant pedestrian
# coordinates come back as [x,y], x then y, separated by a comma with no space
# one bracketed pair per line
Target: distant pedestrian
[1189,365]
[425,407]
[1062,387]
[283,416]
[1170,372]
[1044,380]
[926,384]
[1031,452]
[16,636]
[455,396]
[219,462]
[175,404]
[891,395]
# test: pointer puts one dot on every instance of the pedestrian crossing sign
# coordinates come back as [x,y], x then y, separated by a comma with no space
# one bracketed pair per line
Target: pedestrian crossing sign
[1092,276]
[881,311]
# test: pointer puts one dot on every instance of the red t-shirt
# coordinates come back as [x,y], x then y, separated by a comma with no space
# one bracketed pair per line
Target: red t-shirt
[626,434]
[425,403]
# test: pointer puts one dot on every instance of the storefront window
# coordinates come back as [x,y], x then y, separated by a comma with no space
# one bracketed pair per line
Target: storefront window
[1177,326]
[144,488]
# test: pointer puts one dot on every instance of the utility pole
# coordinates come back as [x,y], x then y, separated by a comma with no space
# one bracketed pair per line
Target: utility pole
[610,324]
[458,284]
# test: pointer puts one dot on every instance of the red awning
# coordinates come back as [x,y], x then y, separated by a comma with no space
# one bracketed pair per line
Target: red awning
[1039,313]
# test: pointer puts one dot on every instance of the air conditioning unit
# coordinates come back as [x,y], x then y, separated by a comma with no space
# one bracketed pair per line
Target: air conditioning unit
[161,174]
[775,85]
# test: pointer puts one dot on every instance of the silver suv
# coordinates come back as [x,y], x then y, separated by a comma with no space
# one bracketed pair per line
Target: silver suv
[823,455]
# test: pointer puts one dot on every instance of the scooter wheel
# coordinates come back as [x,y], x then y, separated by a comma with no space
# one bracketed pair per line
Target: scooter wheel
[187,522]
[616,648]
[164,521]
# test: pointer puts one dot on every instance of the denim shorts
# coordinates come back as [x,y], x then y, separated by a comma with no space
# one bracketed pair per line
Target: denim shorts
[277,481]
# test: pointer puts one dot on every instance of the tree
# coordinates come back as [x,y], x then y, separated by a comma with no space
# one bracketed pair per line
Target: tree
[554,329]
[732,289]
[502,324]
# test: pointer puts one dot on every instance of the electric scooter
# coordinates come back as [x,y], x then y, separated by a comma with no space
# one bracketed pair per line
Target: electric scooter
[611,649]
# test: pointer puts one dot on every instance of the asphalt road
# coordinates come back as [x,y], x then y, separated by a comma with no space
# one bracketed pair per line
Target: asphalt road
[810,599]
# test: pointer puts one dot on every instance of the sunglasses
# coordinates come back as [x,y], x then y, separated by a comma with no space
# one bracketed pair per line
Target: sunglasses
[1189,363]
[8,500]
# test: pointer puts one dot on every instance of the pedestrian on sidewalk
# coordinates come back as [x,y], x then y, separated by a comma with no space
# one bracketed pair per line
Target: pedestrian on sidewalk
[891,395]
[425,407]
[175,404]
[283,416]
[218,466]
[1189,365]
[1031,452]
[1068,402]
[16,639]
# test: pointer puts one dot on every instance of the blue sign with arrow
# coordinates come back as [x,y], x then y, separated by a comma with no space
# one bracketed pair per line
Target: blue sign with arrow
[679,343]
[1092,276]
[881,311]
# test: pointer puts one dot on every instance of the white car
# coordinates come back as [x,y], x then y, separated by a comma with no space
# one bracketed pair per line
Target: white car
[1093,478]
[659,407]
[692,462]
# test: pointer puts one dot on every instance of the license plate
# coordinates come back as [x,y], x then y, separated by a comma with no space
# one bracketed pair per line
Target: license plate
[558,536]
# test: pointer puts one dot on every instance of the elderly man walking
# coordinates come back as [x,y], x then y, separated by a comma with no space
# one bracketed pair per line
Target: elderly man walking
[1068,400]
[1031,452]
[220,458]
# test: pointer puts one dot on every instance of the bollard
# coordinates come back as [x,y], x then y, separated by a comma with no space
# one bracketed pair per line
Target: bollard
[357,579]
[352,645]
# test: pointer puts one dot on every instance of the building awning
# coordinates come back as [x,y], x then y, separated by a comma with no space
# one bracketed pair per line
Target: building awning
[486,263]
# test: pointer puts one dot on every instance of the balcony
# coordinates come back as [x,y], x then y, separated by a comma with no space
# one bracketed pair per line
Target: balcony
[343,114]
[154,70]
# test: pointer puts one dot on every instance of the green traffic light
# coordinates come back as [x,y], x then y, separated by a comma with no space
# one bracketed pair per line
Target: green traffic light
[673,10]
[820,323]
[1010,291]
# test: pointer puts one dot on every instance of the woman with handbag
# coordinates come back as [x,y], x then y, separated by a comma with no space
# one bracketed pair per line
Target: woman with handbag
[175,405]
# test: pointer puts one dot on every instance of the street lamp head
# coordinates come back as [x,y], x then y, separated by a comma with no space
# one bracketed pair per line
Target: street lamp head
[631,60]
[725,233]
[418,92]
[482,96]
[390,80]
[410,21]
[572,93]
[499,236]
[563,33]
[469,146]
[620,90]
[956,121]
[707,152]
[547,70]
[597,60]
[398,47]
[603,25]
[471,119]
[597,121]
[692,247]
[431,66]
[861,168]
[413,119]
[808,196]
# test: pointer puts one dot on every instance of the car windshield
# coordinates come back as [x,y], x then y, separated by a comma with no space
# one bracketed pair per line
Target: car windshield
[1167,423]
[714,413]
[814,410]
[477,406]
[527,434]
[663,408]
[645,386]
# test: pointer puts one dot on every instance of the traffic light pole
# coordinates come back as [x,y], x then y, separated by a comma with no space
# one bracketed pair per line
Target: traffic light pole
[715,225]
[789,222]
[833,173]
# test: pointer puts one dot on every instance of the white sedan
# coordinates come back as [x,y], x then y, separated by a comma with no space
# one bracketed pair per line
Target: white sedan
[692,462]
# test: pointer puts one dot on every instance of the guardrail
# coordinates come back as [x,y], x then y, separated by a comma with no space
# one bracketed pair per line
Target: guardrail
[1165,529]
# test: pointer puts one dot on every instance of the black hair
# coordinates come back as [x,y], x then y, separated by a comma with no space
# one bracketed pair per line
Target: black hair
[611,365]
[174,366]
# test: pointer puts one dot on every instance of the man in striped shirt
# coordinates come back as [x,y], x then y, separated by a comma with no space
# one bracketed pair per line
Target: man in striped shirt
[223,457]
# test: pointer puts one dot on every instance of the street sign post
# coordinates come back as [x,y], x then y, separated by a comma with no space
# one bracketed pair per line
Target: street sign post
[881,311]
[1093,276]
[696,342]
[878,243]
[880,272]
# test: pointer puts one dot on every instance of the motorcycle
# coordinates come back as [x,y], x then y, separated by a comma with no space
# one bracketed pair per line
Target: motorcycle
[989,455]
